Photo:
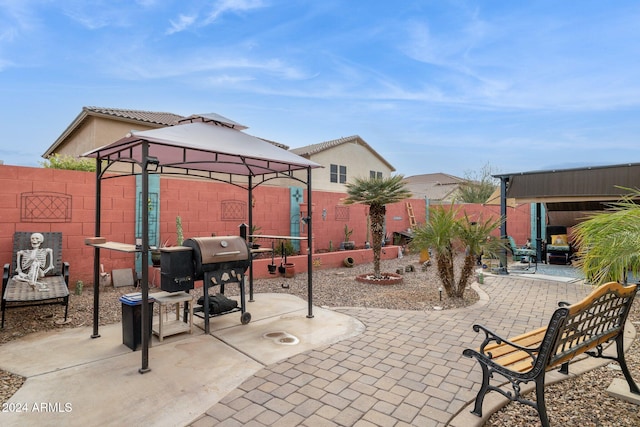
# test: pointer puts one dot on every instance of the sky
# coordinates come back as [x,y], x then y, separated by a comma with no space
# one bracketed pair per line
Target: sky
[432,86]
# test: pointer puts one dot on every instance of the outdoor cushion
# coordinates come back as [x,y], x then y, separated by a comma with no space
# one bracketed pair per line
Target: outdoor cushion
[559,240]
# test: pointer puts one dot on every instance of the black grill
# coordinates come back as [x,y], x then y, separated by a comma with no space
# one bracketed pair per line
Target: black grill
[218,261]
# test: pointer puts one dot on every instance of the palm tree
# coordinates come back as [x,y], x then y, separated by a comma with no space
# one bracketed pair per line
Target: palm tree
[444,230]
[609,242]
[376,193]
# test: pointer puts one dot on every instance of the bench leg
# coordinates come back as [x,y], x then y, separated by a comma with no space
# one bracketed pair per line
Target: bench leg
[564,368]
[633,387]
[540,403]
[484,387]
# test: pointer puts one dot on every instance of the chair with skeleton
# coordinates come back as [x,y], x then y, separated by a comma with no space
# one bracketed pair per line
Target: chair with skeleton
[36,275]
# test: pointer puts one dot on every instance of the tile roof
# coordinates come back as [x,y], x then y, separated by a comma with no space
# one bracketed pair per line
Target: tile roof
[161,118]
[434,186]
[152,118]
[309,150]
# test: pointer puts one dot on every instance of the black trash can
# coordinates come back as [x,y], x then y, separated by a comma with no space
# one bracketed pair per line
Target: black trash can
[132,320]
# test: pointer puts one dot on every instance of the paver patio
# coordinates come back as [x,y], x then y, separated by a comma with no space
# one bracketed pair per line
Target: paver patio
[406,368]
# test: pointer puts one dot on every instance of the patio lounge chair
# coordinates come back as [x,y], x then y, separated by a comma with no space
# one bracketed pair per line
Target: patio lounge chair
[519,254]
[53,288]
[558,249]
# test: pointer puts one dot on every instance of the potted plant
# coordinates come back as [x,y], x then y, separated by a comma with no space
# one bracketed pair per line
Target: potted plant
[156,254]
[347,244]
[255,231]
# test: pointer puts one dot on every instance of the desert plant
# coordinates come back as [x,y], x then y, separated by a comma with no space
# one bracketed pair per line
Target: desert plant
[179,234]
[57,161]
[444,229]
[347,233]
[288,248]
[376,193]
[608,242]
[477,186]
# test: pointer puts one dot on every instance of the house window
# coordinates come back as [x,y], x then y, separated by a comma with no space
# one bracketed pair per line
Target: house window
[338,174]
[375,175]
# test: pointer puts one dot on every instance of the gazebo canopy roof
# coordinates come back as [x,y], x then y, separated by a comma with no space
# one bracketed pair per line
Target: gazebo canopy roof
[196,148]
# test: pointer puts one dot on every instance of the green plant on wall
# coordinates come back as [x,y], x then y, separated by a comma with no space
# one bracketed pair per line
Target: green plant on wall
[179,234]
[56,161]
[347,233]
[288,248]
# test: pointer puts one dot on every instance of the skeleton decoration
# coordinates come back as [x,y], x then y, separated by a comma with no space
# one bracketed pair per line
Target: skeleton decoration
[32,263]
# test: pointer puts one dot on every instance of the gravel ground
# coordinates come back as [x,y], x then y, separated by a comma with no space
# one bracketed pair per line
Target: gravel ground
[580,401]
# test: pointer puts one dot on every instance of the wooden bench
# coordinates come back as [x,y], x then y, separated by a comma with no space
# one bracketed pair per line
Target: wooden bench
[573,330]
[17,293]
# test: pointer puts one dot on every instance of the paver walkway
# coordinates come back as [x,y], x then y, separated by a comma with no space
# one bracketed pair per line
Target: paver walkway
[406,369]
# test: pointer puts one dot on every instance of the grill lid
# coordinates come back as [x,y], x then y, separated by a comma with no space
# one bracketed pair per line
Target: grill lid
[214,250]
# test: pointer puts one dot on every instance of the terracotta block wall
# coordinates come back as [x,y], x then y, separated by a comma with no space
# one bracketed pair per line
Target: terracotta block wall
[67,204]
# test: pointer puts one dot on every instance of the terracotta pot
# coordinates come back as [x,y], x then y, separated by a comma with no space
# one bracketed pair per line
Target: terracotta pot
[289,269]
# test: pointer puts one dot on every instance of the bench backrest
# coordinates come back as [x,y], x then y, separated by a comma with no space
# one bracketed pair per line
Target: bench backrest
[595,320]
[53,240]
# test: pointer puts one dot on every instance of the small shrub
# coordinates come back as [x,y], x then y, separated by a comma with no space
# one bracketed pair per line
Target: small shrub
[56,161]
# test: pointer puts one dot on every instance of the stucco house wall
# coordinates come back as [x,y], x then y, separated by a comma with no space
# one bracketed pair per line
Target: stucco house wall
[95,132]
[358,160]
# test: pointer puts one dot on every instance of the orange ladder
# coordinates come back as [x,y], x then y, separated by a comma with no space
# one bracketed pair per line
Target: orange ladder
[412,217]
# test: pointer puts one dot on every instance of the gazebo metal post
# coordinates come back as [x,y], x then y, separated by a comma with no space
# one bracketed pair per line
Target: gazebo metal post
[309,246]
[146,327]
[503,226]
[250,218]
[538,231]
[96,252]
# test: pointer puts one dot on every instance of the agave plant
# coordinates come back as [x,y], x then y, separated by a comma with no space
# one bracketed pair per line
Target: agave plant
[608,242]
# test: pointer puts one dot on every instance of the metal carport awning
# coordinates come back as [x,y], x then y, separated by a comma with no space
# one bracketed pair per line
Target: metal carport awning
[592,184]
[561,190]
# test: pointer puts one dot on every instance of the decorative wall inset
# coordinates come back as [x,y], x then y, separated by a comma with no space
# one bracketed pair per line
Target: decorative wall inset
[233,210]
[342,213]
[45,207]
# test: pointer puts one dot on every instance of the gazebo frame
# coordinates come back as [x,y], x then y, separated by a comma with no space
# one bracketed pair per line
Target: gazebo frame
[208,147]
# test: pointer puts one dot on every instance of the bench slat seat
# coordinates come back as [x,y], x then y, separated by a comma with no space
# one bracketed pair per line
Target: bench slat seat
[581,328]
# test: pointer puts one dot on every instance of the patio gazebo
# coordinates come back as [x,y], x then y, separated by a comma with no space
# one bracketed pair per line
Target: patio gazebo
[208,147]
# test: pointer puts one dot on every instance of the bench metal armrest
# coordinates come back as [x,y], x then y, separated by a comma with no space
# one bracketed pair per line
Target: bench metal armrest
[491,336]
[65,272]
[5,274]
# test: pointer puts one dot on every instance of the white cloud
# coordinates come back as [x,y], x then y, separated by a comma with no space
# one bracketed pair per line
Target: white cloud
[224,6]
[183,23]
[219,8]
